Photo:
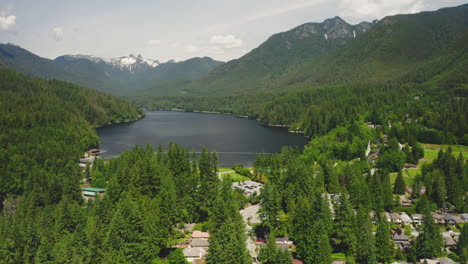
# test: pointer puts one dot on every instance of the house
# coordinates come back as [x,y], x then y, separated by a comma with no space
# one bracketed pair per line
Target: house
[401,241]
[197,242]
[464,217]
[88,160]
[445,261]
[449,219]
[449,241]
[388,217]
[395,218]
[428,261]
[422,190]
[417,219]
[458,219]
[405,202]
[200,235]
[438,218]
[406,219]
[192,254]
[90,192]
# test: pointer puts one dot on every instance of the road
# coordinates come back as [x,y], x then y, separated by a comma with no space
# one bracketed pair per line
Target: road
[250,216]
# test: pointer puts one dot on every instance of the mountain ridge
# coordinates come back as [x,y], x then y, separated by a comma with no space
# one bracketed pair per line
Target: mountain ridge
[119,75]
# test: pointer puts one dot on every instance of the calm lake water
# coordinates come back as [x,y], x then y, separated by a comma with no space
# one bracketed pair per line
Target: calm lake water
[237,140]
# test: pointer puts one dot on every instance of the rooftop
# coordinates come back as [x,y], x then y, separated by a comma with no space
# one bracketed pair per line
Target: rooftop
[199,243]
[92,189]
[200,234]
[194,252]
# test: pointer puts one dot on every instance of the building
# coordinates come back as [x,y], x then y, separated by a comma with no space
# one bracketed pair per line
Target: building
[458,219]
[405,202]
[197,242]
[464,217]
[388,217]
[193,254]
[198,246]
[395,218]
[90,192]
[200,235]
[449,219]
[401,241]
[449,241]
[438,218]
[406,219]
[417,219]
[283,242]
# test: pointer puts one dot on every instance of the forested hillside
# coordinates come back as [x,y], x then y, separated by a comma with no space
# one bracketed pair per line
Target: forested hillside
[407,68]
[260,69]
[45,127]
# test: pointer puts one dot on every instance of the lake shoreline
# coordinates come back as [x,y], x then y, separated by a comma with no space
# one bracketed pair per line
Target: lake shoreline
[236,140]
[238,116]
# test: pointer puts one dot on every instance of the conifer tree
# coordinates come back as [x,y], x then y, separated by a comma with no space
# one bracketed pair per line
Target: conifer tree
[365,250]
[383,244]
[400,186]
[462,246]
[430,241]
[271,254]
[344,237]
[209,184]
[177,257]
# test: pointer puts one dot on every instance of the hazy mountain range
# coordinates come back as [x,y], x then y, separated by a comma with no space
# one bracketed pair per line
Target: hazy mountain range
[116,75]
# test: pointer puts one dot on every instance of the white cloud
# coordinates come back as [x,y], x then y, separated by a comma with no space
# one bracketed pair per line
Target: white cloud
[154,42]
[227,41]
[363,9]
[214,50]
[58,33]
[7,23]
[190,48]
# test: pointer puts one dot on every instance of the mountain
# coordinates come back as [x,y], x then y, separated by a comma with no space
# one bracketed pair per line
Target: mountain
[334,52]
[281,53]
[377,74]
[116,75]
[397,47]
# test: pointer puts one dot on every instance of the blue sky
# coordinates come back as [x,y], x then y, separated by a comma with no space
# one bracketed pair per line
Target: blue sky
[176,29]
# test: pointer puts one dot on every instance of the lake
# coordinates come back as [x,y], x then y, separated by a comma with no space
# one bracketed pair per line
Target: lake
[236,140]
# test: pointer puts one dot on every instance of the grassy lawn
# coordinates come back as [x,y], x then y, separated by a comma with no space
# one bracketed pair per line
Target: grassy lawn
[236,177]
[430,153]
[408,176]
[224,169]
[337,256]
[431,150]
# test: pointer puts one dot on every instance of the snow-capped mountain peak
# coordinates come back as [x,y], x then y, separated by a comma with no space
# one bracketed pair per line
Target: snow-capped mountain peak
[131,62]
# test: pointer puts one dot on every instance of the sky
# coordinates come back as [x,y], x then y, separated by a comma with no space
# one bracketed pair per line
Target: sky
[176,29]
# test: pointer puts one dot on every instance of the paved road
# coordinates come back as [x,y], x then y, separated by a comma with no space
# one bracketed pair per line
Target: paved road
[250,216]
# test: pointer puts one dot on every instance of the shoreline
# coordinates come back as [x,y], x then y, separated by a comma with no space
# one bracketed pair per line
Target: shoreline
[238,116]
[119,122]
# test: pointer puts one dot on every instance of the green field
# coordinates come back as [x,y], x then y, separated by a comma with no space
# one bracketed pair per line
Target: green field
[430,153]
[431,150]
[408,176]
[235,177]
[224,169]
